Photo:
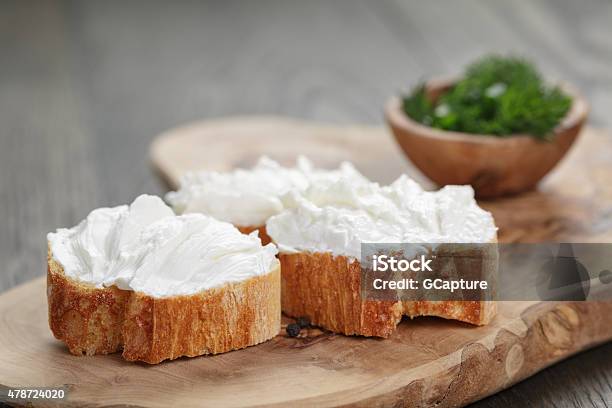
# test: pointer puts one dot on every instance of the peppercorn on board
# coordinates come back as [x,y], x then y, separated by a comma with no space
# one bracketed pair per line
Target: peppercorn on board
[426,362]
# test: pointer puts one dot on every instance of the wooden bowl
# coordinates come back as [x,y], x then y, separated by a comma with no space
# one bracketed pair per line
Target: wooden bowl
[493,166]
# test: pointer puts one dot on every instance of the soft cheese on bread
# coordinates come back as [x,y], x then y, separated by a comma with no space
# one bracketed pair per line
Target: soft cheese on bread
[320,232]
[248,197]
[160,286]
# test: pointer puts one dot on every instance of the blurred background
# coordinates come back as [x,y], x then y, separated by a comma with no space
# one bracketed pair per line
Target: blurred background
[86,85]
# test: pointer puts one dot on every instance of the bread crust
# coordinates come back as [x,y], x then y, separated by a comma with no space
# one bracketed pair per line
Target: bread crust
[105,320]
[263,235]
[86,318]
[234,316]
[327,289]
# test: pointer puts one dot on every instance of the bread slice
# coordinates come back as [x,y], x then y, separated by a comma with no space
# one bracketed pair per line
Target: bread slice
[320,233]
[94,320]
[327,289]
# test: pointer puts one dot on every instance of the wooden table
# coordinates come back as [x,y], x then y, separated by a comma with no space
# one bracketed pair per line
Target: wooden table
[84,87]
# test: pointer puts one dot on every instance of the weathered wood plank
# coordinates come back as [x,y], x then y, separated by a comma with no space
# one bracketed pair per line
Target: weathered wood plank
[46,173]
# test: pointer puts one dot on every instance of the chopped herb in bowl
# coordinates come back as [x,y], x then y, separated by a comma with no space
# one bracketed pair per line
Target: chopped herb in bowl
[498,96]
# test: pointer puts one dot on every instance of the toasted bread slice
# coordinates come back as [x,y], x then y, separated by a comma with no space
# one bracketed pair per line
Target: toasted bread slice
[327,289]
[94,320]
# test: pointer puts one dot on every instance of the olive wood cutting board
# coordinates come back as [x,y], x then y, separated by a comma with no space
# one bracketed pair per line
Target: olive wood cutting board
[427,362]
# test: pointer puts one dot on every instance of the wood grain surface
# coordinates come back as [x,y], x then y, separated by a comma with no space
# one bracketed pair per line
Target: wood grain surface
[85,86]
[426,362]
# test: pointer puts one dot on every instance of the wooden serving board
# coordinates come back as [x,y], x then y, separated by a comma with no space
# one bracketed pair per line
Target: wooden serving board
[427,362]
[572,204]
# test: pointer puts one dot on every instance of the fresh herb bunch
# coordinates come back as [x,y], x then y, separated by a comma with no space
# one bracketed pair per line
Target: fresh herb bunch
[497,96]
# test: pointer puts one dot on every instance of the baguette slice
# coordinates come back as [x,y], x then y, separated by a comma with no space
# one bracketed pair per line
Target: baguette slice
[320,234]
[327,289]
[94,320]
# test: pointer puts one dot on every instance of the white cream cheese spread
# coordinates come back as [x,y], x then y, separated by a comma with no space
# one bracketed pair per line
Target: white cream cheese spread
[248,197]
[144,247]
[337,216]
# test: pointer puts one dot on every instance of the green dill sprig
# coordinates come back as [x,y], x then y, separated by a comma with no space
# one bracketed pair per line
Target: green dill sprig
[497,96]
